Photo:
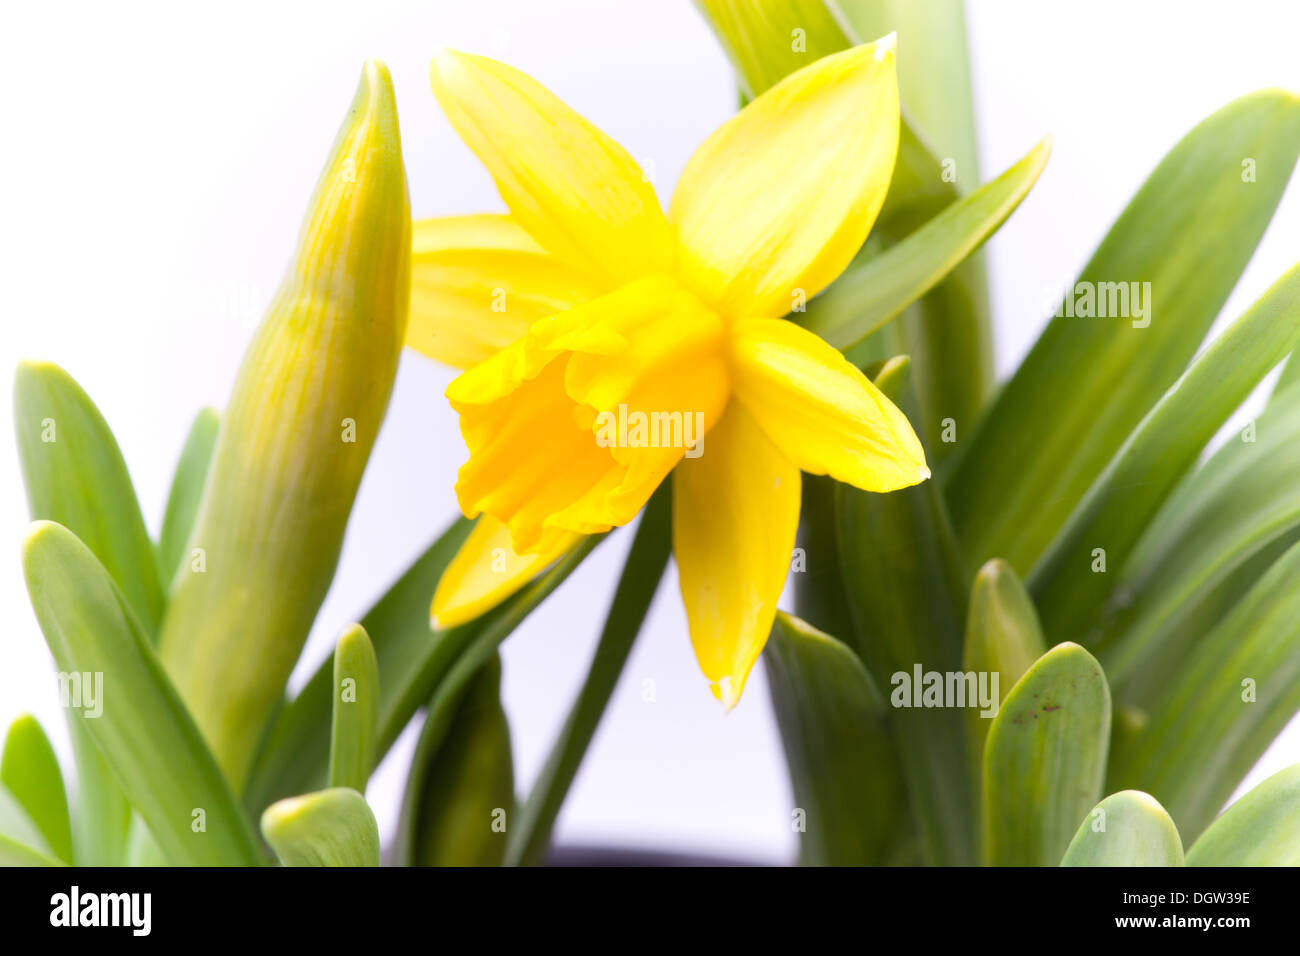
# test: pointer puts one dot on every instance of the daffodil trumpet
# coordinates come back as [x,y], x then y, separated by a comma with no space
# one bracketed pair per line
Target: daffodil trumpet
[586,304]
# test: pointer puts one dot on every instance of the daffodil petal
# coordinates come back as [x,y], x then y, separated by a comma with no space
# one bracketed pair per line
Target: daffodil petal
[822,412]
[735,511]
[478,283]
[775,203]
[486,571]
[575,190]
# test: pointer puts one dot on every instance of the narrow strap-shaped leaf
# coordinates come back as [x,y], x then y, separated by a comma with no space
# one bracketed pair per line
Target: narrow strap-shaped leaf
[1129,828]
[30,770]
[1003,637]
[1216,535]
[850,802]
[1045,759]
[1221,706]
[530,834]
[356,710]
[459,801]
[413,662]
[75,475]
[907,594]
[332,827]
[186,493]
[1125,497]
[1260,829]
[136,719]
[1159,277]
[877,288]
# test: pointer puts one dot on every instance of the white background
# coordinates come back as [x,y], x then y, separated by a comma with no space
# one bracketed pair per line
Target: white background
[155,164]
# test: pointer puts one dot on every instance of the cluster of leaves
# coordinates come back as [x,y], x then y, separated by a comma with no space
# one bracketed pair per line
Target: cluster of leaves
[1152,652]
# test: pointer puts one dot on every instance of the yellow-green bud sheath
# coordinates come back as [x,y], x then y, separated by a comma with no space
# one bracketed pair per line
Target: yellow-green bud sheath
[306,407]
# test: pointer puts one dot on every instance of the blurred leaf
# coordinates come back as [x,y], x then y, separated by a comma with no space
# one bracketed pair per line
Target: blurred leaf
[766,40]
[530,833]
[1260,829]
[843,767]
[329,828]
[75,475]
[906,592]
[1199,553]
[413,662]
[356,710]
[1045,758]
[1127,495]
[186,492]
[1189,233]
[934,75]
[1128,828]
[460,795]
[143,731]
[21,840]
[875,289]
[1217,710]
[30,771]
[1002,637]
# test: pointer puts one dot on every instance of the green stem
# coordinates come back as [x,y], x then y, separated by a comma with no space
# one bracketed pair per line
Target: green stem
[642,572]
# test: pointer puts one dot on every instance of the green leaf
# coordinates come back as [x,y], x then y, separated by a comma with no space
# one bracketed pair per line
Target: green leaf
[1003,637]
[934,76]
[1215,537]
[1045,758]
[843,766]
[30,770]
[413,661]
[1260,829]
[356,710]
[20,835]
[330,828]
[1127,495]
[760,37]
[907,595]
[1129,828]
[875,289]
[137,720]
[949,332]
[186,492]
[1189,233]
[460,794]
[75,475]
[1220,707]
[530,833]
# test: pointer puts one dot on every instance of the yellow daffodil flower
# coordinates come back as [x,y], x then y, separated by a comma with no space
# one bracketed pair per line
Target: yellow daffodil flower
[607,345]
